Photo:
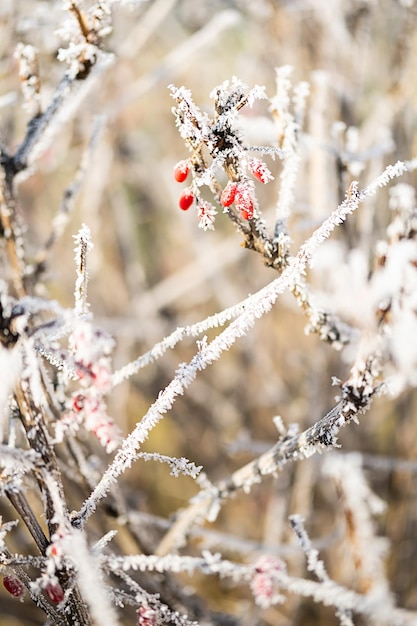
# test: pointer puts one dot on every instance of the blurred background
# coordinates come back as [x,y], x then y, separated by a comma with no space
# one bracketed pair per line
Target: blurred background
[153,269]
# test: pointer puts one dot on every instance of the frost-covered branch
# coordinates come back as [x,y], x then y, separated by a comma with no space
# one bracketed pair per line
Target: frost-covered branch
[258,305]
[85,540]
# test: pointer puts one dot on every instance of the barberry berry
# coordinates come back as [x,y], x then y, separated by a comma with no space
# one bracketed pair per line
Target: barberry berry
[260,171]
[13,585]
[181,171]
[228,194]
[186,199]
[54,592]
[244,202]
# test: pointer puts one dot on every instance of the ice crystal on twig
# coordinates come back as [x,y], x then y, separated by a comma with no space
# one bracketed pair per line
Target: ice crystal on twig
[29,76]
[83,246]
[316,565]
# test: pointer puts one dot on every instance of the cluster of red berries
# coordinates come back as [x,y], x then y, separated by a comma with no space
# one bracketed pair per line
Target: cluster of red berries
[16,588]
[242,196]
[239,193]
[181,171]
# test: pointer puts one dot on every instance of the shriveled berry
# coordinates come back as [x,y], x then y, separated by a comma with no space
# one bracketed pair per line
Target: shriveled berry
[13,585]
[244,202]
[146,616]
[228,194]
[78,402]
[54,592]
[181,171]
[260,171]
[186,199]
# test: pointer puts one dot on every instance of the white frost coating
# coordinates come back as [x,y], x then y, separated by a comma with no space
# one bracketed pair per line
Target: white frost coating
[11,369]
[361,503]
[288,127]
[90,581]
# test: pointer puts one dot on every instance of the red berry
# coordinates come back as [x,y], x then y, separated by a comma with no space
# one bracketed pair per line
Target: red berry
[228,194]
[244,202]
[181,171]
[260,171]
[186,199]
[54,592]
[13,585]
[246,214]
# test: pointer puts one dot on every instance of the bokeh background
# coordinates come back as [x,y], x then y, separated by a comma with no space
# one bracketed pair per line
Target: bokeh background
[153,269]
